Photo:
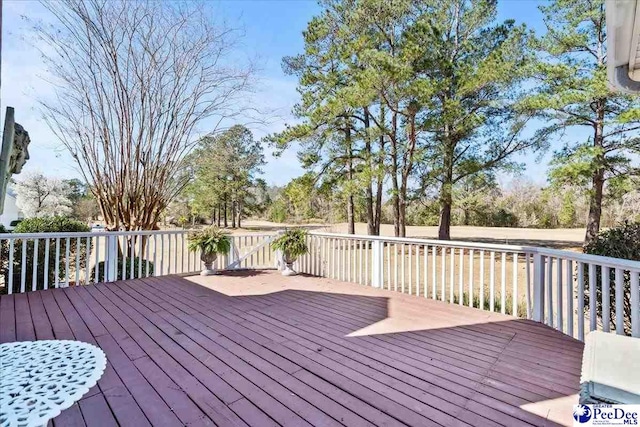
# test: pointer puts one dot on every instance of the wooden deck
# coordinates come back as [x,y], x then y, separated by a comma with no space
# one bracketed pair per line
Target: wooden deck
[259,349]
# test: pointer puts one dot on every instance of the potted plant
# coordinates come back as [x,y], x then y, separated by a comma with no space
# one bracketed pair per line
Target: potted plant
[211,241]
[292,244]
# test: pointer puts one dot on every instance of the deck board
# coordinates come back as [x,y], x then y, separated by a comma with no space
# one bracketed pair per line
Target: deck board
[257,349]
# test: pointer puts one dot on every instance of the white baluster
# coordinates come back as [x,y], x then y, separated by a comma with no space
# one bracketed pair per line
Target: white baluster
[503,283]
[87,259]
[619,301]
[11,249]
[461,278]
[481,280]
[402,267]
[471,284]
[426,272]
[559,287]
[580,279]
[434,273]
[514,296]
[635,303]
[34,278]
[606,299]
[593,319]
[492,281]
[549,291]
[46,264]
[395,267]
[452,272]
[569,288]
[417,270]
[57,264]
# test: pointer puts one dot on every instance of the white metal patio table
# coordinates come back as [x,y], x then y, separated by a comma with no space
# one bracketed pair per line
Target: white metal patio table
[40,379]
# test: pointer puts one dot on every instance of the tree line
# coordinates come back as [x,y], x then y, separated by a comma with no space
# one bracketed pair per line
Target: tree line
[416,99]
[485,203]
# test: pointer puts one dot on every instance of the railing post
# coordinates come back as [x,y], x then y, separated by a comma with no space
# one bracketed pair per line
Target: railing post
[277,260]
[231,258]
[377,264]
[538,288]
[112,258]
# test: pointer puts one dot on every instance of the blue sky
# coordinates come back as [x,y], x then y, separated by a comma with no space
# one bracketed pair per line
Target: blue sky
[273,29]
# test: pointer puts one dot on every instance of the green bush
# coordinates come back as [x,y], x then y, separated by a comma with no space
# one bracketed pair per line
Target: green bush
[55,224]
[139,265]
[51,224]
[623,242]
[278,211]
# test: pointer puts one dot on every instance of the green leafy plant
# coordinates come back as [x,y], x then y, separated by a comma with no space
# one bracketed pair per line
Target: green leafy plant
[623,242]
[66,267]
[292,243]
[210,240]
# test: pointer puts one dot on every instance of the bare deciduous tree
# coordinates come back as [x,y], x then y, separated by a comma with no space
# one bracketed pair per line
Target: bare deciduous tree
[133,80]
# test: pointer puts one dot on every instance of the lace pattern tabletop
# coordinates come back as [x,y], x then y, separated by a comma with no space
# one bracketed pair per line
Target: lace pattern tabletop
[39,379]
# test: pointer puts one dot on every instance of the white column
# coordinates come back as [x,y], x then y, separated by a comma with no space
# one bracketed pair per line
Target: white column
[538,288]
[377,264]
[112,258]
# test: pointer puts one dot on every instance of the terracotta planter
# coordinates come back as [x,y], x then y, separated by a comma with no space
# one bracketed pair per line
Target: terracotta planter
[208,260]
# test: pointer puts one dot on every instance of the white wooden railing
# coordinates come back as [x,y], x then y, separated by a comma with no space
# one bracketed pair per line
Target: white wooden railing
[80,258]
[541,284]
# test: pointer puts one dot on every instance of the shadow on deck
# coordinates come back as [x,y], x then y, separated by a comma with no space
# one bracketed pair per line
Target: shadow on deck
[259,349]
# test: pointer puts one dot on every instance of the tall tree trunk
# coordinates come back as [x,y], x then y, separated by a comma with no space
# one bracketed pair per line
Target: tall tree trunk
[239,212]
[378,210]
[371,225]
[350,204]
[406,172]
[351,215]
[597,180]
[218,217]
[380,170]
[234,205]
[446,191]
[394,176]
[226,222]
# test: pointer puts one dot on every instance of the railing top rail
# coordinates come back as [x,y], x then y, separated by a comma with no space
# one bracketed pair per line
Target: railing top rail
[605,261]
[556,253]
[13,236]
[448,243]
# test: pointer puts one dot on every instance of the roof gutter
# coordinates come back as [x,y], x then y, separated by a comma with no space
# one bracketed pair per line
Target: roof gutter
[623,45]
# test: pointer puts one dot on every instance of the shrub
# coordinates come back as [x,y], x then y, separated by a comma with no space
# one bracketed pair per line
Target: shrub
[51,224]
[139,266]
[54,224]
[623,242]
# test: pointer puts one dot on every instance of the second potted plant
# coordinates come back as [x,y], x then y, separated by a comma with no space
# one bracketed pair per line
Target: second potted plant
[211,241]
[292,244]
